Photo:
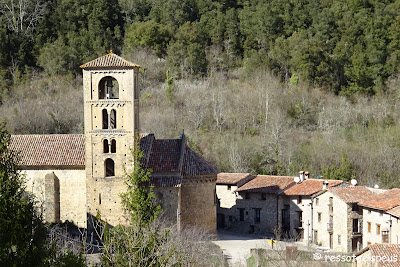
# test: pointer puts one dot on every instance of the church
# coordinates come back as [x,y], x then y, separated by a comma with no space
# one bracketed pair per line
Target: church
[77,176]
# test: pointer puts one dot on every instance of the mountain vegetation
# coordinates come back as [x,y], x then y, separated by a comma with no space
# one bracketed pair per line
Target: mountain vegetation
[270,87]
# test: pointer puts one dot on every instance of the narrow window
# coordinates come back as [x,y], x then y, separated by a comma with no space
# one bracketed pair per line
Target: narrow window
[105,119]
[369,227]
[241,214]
[229,188]
[299,200]
[113,146]
[378,229]
[105,146]
[356,228]
[385,236]
[109,168]
[339,240]
[113,119]
[263,196]
[99,198]
[319,217]
[316,201]
[257,215]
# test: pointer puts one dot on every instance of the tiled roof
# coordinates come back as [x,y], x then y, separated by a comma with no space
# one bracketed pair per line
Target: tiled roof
[165,155]
[109,60]
[231,178]
[395,211]
[309,187]
[50,149]
[352,194]
[390,251]
[384,201]
[194,165]
[267,184]
[166,181]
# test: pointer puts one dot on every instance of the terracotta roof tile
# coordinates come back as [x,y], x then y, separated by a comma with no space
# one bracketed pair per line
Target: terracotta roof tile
[389,250]
[194,165]
[309,187]
[384,201]
[267,184]
[395,211]
[109,60]
[165,155]
[352,194]
[231,178]
[50,149]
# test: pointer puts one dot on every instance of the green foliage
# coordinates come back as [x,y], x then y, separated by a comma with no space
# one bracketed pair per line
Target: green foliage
[343,171]
[139,199]
[169,86]
[22,234]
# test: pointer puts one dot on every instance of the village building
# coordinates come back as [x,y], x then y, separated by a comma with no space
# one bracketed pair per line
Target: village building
[296,207]
[381,218]
[257,203]
[226,186]
[338,219]
[378,255]
[78,176]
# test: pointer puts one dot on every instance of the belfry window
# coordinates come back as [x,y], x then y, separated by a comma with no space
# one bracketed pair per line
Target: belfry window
[105,146]
[105,119]
[108,88]
[109,168]
[113,146]
[113,119]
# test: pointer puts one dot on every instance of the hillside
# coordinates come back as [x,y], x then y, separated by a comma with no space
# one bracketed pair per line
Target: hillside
[258,86]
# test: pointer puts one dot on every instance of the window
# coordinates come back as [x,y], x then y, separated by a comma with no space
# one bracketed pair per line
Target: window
[339,239]
[108,88]
[385,236]
[315,237]
[257,215]
[247,196]
[113,119]
[355,226]
[113,146]
[319,216]
[354,207]
[136,89]
[105,119]
[241,214]
[316,201]
[369,227]
[99,198]
[299,200]
[263,196]
[299,219]
[330,205]
[369,211]
[378,229]
[105,146]
[109,167]
[229,187]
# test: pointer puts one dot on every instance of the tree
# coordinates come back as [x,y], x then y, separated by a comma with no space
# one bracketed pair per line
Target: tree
[22,234]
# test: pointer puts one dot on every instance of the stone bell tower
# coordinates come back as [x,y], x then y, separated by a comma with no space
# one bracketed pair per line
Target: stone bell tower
[111,110]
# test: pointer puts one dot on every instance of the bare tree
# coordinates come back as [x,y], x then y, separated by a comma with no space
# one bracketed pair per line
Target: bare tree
[22,16]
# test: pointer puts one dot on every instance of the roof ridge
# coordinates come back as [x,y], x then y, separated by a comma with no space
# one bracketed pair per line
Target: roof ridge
[109,60]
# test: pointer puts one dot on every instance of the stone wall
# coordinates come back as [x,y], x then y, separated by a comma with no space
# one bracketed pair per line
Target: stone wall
[169,198]
[198,202]
[72,188]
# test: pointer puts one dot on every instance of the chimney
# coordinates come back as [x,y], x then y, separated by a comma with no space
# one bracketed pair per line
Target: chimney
[306,175]
[301,176]
[325,185]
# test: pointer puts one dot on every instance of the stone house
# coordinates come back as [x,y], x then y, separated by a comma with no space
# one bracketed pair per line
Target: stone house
[338,220]
[226,185]
[381,218]
[378,255]
[296,207]
[77,176]
[256,209]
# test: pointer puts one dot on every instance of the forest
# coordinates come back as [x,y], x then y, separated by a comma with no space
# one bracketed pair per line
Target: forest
[267,87]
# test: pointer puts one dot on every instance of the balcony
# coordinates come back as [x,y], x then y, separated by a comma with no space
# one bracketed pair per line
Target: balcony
[330,227]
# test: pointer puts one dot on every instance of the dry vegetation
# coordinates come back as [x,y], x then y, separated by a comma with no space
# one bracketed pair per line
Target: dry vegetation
[241,121]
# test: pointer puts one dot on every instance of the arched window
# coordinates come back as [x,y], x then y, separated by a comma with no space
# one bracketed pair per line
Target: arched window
[113,119]
[109,167]
[106,149]
[105,119]
[113,146]
[108,88]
